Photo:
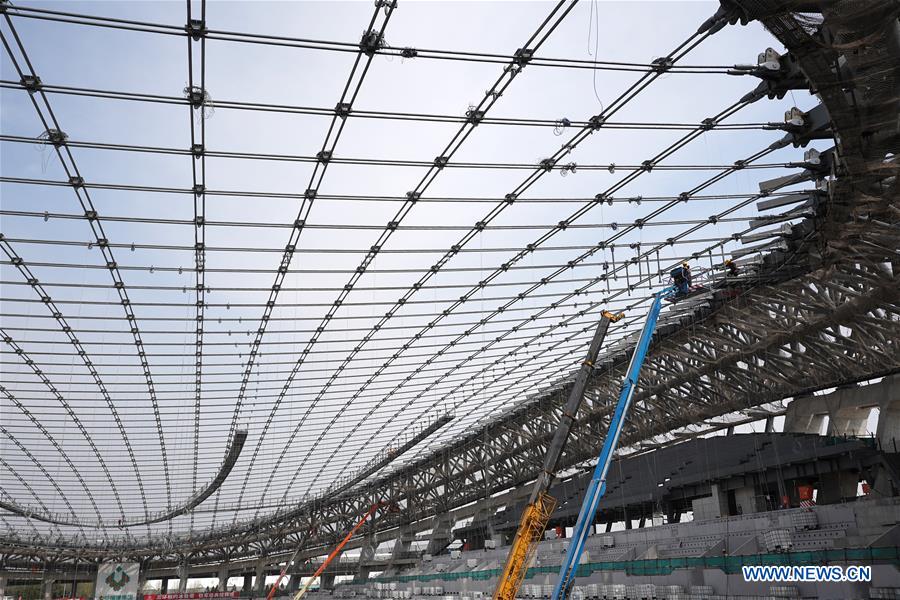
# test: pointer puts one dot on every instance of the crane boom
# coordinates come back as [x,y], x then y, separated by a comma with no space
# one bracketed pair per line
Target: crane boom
[328,560]
[541,504]
[597,486]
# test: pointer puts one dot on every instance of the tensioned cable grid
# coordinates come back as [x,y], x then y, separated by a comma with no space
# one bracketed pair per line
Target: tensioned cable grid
[333,228]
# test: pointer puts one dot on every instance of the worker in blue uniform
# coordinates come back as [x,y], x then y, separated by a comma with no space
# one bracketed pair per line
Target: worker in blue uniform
[681,279]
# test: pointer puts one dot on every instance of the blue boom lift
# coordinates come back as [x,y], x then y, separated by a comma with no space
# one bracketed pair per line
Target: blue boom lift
[597,487]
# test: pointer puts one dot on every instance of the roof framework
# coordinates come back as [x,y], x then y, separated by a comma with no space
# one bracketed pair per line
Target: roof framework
[148,322]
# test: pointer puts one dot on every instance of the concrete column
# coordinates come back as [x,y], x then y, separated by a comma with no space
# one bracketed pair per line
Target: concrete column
[183,576]
[366,555]
[2,587]
[260,585]
[888,429]
[326,581]
[294,583]
[163,585]
[223,577]
[248,583]
[482,524]
[400,550]
[47,586]
[441,534]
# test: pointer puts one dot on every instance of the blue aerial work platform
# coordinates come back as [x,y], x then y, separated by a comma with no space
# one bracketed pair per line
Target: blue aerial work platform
[597,487]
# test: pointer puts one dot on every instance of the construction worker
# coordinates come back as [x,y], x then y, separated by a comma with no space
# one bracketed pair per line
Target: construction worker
[681,279]
[730,267]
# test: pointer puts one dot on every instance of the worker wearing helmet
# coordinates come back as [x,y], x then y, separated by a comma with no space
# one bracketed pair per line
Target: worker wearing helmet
[681,279]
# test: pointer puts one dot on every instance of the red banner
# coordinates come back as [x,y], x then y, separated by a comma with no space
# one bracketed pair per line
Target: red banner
[191,596]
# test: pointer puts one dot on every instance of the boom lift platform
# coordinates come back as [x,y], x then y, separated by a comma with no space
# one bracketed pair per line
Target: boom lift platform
[597,487]
[541,504]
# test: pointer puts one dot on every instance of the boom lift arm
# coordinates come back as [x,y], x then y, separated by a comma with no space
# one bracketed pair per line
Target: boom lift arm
[597,487]
[541,504]
[372,510]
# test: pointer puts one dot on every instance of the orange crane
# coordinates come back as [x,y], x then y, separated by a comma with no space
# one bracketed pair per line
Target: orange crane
[372,510]
[541,504]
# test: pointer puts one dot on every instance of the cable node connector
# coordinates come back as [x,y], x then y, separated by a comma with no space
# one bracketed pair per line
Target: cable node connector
[309,194]
[195,95]
[474,116]
[372,41]
[413,197]
[56,137]
[32,83]
[707,124]
[409,52]
[441,161]
[523,56]
[342,109]
[603,197]
[197,150]
[547,164]
[596,122]
[739,164]
[663,64]
[76,181]
[510,198]
[392,225]
[196,28]
[323,156]
[683,197]
[199,189]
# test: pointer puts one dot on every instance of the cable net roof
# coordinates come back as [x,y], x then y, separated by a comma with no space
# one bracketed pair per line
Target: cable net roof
[261,223]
